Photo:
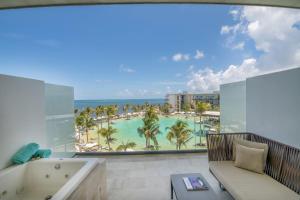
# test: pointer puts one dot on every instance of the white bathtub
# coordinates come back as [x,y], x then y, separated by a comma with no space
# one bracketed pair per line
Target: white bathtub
[37,180]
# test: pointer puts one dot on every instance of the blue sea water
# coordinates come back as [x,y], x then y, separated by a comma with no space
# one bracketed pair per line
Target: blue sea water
[81,104]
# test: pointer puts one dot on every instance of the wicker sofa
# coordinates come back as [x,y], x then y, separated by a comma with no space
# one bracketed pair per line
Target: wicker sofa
[281,180]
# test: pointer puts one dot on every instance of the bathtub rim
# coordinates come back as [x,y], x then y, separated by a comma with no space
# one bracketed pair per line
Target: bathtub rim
[11,168]
[70,186]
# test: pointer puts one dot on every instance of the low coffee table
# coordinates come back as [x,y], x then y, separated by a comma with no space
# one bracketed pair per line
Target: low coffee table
[181,193]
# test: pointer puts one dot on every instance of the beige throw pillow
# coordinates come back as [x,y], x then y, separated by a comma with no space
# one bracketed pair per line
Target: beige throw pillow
[249,158]
[250,144]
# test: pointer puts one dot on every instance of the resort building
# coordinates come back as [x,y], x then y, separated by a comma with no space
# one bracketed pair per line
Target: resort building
[179,100]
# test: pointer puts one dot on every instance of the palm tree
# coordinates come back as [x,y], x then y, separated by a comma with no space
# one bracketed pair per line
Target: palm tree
[135,108]
[99,111]
[139,108]
[201,107]
[150,128]
[110,112]
[89,110]
[79,125]
[125,109]
[108,133]
[179,132]
[151,114]
[186,107]
[79,122]
[125,146]
[87,122]
[166,108]
[217,127]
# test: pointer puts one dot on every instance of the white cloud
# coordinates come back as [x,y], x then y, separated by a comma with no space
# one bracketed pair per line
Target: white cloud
[142,92]
[239,46]
[225,29]
[126,93]
[273,32]
[208,80]
[171,83]
[122,68]
[232,29]
[180,57]
[199,55]
[235,13]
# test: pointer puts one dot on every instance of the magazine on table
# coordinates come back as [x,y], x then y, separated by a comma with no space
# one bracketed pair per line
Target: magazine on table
[194,183]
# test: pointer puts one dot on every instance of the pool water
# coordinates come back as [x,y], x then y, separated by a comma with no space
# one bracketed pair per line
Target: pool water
[127,131]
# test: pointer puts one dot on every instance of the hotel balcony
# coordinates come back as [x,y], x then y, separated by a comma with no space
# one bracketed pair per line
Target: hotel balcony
[43,113]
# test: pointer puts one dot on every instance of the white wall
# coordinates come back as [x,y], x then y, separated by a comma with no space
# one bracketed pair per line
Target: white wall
[22,115]
[273,106]
[233,107]
[32,111]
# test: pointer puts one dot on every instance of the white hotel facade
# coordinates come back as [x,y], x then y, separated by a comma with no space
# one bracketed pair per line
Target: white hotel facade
[178,100]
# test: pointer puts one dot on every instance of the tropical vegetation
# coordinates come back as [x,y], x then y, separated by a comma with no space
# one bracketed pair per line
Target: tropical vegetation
[110,110]
[201,107]
[150,128]
[179,134]
[85,121]
[108,134]
[126,109]
[126,146]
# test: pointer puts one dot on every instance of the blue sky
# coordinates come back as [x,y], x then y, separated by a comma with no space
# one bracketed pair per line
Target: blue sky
[129,51]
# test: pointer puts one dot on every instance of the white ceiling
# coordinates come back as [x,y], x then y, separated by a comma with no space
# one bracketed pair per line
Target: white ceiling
[9,4]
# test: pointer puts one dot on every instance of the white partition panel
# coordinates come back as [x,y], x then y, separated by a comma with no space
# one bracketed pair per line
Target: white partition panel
[233,107]
[60,118]
[273,106]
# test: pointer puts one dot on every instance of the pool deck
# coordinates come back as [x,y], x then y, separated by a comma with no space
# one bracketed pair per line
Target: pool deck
[143,177]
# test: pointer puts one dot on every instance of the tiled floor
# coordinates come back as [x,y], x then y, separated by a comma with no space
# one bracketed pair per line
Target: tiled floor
[148,176]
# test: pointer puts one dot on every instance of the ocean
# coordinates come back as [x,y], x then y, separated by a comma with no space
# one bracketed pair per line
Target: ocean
[81,104]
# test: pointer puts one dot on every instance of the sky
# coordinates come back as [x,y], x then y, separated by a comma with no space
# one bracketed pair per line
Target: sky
[147,51]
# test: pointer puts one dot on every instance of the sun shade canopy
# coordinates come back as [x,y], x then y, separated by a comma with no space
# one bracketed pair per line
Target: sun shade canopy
[9,4]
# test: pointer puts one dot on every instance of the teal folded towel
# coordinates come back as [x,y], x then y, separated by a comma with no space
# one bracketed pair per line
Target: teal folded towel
[43,153]
[25,153]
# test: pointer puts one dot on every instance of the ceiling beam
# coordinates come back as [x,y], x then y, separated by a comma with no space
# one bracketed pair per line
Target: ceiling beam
[11,4]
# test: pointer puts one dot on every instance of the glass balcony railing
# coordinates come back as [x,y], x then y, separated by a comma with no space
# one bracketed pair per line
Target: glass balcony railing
[139,127]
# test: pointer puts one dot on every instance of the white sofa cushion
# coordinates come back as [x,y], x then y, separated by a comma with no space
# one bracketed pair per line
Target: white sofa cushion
[246,185]
[251,144]
[249,158]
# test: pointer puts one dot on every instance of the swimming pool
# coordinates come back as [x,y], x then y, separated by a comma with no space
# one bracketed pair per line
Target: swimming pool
[127,131]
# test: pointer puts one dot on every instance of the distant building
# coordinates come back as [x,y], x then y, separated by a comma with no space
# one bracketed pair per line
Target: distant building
[179,100]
